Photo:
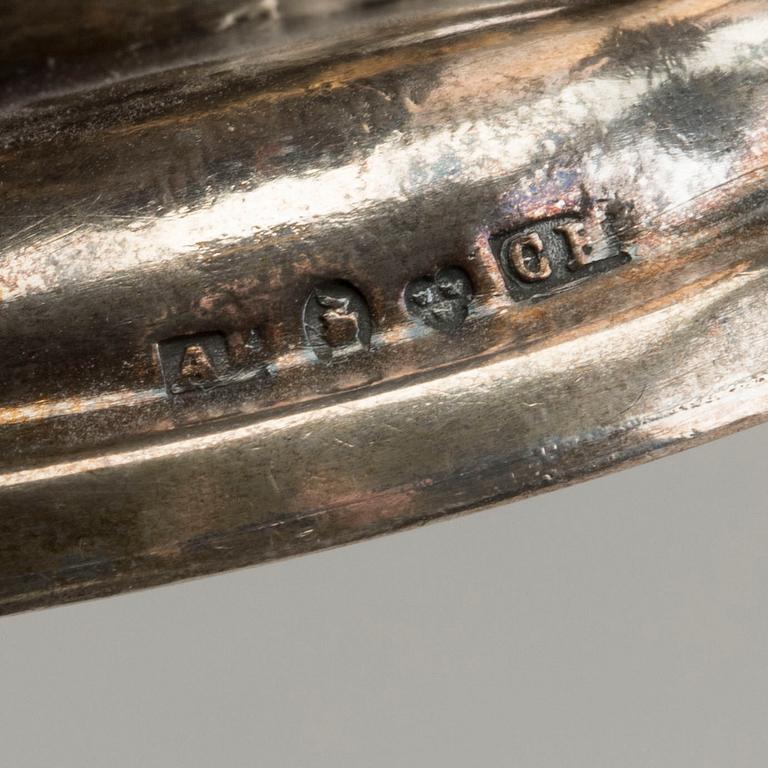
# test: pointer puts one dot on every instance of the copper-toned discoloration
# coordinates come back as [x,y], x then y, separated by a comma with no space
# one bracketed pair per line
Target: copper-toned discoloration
[543,268]
[303,209]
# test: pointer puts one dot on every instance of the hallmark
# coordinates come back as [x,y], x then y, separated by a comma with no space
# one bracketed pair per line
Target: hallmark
[543,256]
[536,260]
[440,301]
[207,361]
[336,319]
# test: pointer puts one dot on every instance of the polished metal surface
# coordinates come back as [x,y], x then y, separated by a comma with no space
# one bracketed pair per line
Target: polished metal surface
[258,299]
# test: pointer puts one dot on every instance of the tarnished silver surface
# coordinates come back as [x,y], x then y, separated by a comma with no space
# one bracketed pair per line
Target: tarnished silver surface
[257,300]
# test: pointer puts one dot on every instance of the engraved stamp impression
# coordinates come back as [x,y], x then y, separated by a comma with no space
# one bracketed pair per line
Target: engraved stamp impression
[205,361]
[538,259]
[442,301]
[336,318]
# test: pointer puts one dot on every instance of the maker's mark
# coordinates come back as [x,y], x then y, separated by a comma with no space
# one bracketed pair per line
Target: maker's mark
[543,256]
[205,361]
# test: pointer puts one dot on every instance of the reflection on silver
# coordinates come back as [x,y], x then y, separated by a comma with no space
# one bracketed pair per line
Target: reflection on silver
[209,188]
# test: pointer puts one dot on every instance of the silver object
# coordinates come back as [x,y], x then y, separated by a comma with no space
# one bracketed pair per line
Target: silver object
[275,279]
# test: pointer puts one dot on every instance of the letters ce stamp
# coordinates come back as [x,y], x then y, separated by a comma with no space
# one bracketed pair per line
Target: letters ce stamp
[542,257]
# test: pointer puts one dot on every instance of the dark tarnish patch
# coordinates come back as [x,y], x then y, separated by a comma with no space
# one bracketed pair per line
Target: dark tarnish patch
[659,48]
[706,113]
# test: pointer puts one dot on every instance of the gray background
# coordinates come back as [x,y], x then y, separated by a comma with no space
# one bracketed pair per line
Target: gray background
[623,622]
